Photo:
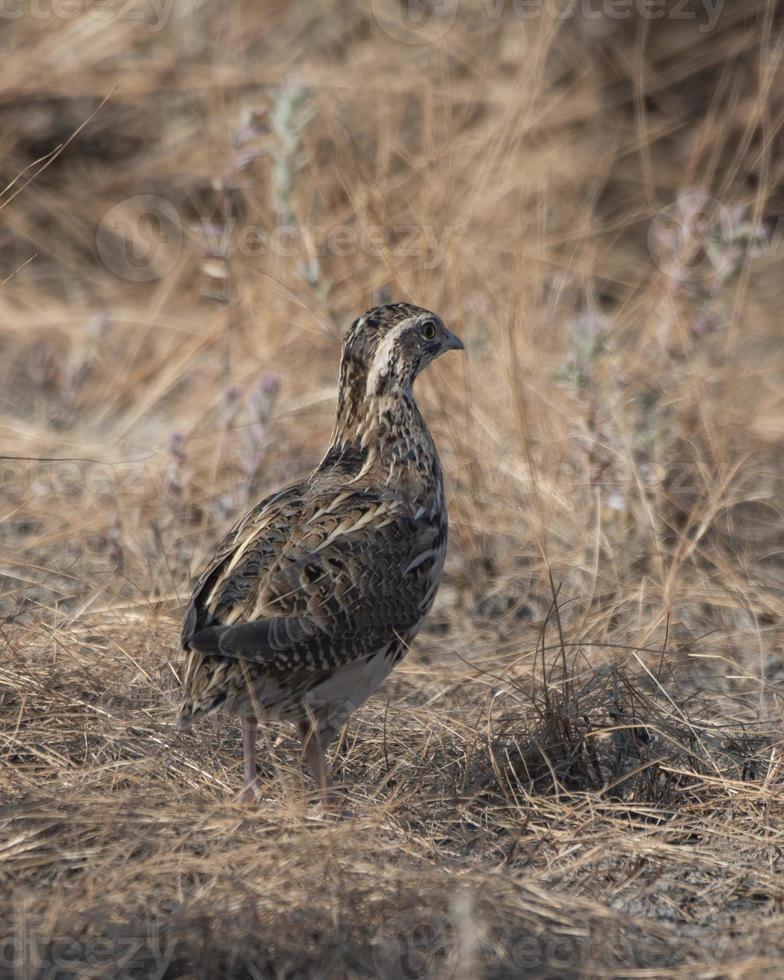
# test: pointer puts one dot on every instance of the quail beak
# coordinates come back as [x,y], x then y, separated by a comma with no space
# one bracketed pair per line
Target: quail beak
[451,342]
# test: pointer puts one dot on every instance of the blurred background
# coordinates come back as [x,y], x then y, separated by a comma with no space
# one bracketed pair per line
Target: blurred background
[197,199]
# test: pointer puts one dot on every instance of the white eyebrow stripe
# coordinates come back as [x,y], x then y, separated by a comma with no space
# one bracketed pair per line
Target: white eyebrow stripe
[381,362]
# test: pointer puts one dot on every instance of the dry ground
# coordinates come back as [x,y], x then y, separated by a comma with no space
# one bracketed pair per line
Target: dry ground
[198,198]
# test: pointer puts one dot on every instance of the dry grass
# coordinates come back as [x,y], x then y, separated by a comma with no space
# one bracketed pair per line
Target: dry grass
[578,770]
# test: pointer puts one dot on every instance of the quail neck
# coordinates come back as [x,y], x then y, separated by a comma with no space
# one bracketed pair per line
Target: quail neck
[379,431]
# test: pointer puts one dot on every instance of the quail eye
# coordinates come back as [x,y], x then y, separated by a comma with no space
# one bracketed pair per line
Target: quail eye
[429,330]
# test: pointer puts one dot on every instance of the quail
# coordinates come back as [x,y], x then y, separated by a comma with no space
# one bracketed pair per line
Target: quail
[317,592]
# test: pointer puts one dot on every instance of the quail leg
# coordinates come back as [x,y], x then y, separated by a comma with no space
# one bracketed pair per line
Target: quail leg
[313,751]
[249,727]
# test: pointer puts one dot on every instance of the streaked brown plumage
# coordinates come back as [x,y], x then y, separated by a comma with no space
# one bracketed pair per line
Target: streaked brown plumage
[316,593]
